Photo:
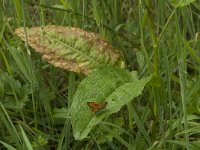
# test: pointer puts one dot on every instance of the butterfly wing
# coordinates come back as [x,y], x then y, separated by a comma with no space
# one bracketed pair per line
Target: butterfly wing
[96,106]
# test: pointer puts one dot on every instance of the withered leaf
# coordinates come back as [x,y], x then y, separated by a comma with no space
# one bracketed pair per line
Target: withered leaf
[71,48]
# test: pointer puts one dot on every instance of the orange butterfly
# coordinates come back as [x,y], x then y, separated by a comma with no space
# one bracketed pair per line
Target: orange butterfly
[97,106]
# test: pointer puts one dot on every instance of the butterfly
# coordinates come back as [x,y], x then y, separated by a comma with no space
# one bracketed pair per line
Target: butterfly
[96,106]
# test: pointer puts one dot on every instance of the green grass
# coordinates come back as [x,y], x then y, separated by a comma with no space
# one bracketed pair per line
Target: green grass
[155,38]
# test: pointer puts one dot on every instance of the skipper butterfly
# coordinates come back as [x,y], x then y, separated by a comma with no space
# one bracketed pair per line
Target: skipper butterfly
[96,106]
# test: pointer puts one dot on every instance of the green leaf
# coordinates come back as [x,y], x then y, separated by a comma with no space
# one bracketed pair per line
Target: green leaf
[71,48]
[9,147]
[13,94]
[115,126]
[108,84]
[59,6]
[26,140]
[39,141]
[60,113]
[181,3]
[155,81]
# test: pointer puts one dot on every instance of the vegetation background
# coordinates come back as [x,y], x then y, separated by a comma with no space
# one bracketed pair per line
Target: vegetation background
[158,37]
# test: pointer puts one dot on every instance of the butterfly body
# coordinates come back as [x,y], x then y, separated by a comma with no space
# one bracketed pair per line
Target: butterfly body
[96,106]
